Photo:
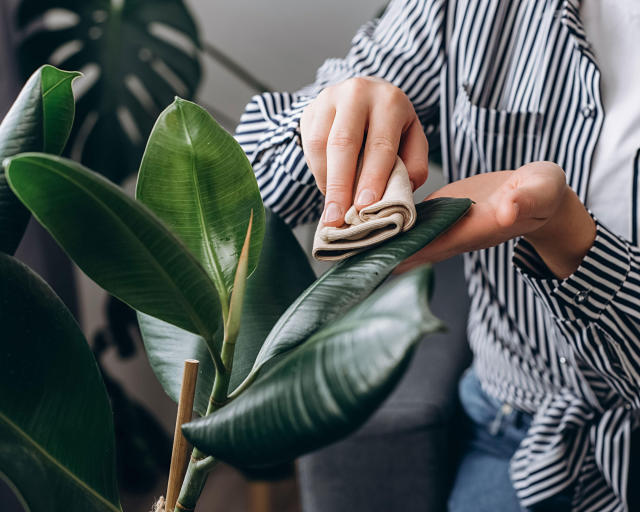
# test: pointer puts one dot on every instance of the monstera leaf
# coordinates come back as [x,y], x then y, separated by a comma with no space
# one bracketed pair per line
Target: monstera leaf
[39,120]
[137,55]
[56,428]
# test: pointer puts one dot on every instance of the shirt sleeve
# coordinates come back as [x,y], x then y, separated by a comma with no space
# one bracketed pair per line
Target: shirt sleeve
[597,307]
[405,46]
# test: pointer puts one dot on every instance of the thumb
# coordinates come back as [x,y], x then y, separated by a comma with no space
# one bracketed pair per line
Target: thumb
[529,196]
[510,207]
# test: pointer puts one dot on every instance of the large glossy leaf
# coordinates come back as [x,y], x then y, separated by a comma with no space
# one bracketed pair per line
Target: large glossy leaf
[351,280]
[197,179]
[56,429]
[39,120]
[138,55]
[325,388]
[117,241]
[282,274]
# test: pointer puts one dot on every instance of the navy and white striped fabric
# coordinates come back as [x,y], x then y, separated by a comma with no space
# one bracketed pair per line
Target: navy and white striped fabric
[503,84]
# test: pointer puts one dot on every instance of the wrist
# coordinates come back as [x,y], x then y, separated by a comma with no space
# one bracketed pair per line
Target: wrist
[564,240]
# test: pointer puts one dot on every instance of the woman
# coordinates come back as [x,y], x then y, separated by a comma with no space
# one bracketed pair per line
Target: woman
[554,389]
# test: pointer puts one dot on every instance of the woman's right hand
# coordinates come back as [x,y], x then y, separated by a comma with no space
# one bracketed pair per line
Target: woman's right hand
[333,127]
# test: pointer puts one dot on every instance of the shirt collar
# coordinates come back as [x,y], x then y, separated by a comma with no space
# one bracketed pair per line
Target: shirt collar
[569,14]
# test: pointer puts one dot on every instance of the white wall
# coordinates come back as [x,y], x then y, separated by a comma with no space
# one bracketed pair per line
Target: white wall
[282,42]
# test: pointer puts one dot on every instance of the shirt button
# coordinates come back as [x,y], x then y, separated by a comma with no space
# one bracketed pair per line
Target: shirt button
[506,409]
[563,360]
[587,111]
[581,296]
[627,406]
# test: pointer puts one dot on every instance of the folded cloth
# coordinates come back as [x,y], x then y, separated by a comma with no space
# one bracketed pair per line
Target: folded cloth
[393,214]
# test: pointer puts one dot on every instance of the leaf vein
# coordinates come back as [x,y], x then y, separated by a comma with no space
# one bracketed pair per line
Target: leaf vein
[184,301]
[74,478]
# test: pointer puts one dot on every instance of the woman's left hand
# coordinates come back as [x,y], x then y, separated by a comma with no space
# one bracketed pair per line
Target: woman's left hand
[533,201]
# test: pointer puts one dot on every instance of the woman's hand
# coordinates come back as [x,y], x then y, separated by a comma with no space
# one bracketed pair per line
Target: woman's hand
[333,127]
[533,201]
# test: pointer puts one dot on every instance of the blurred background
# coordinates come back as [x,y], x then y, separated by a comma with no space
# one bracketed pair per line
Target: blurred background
[217,53]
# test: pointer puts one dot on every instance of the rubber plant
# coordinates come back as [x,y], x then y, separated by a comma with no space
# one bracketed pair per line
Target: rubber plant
[56,428]
[39,120]
[288,363]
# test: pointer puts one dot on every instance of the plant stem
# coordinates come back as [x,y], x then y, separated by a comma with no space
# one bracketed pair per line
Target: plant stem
[194,480]
[200,464]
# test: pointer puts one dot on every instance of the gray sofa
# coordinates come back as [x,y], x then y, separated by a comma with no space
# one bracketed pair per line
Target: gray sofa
[402,458]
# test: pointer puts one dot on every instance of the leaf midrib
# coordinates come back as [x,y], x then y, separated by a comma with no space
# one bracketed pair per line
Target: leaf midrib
[57,464]
[218,275]
[184,301]
[260,359]
[352,324]
[342,327]
[60,82]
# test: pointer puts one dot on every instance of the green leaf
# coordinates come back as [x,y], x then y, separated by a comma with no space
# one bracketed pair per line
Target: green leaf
[167,347]
[39,120]
[138,54]
[325,388]
[282,274]
[56,429]
[116,241]
[239,289]
[58,107]
[349,281]
[197,179]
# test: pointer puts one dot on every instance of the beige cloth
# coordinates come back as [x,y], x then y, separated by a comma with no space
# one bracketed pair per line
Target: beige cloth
[393,214]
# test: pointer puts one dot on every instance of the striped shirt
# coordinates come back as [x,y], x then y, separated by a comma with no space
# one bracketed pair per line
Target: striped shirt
[499,84]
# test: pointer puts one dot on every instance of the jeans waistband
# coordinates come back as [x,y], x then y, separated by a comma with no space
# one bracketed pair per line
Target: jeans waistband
[487,411]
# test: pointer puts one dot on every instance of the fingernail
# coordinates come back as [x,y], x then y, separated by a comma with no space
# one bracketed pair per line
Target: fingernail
[366,197]
[332,212]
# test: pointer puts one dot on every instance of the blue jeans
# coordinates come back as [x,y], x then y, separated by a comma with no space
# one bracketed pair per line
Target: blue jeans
[492,435]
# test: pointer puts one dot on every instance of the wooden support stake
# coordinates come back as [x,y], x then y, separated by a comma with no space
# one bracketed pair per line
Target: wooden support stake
[260,497]
[180,453]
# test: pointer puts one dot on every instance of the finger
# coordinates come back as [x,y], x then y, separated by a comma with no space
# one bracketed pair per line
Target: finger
[343,146]
[508,209]
[380,152]
[531,194]
[540,184]
[314,132]
[414,152]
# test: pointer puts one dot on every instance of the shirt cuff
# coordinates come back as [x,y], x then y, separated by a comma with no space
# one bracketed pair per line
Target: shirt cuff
[283,112]
[269,132]
[587,292]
